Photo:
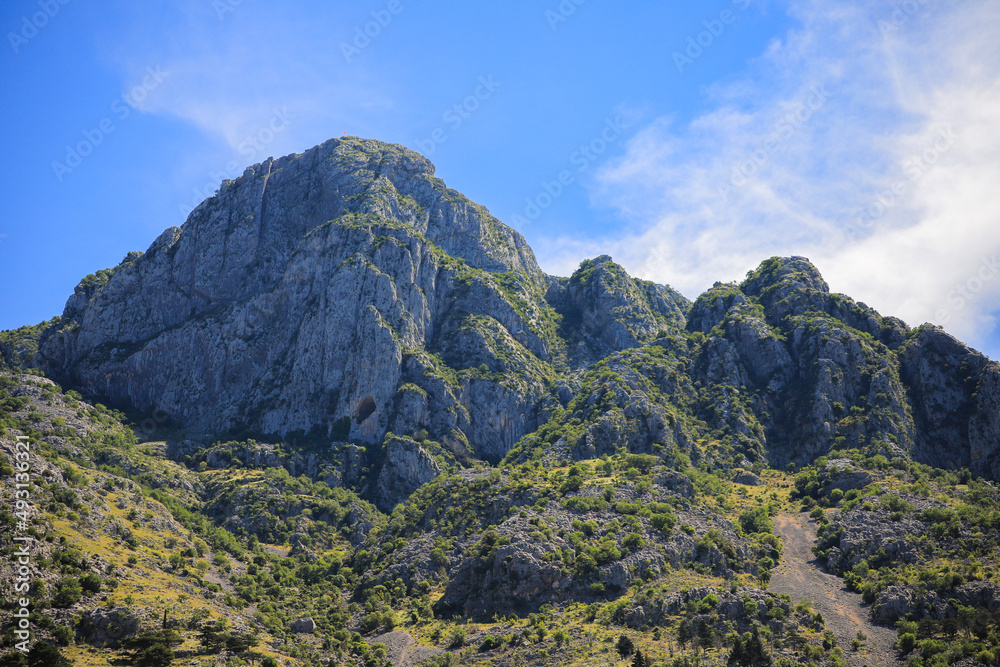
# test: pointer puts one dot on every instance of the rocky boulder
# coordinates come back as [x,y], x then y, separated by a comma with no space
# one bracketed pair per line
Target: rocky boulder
[305,625]
[105,626]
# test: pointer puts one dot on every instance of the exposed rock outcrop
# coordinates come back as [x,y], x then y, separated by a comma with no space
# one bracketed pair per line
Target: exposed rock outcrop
[347,293]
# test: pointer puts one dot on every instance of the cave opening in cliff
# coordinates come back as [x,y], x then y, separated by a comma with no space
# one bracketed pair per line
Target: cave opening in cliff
[364,409]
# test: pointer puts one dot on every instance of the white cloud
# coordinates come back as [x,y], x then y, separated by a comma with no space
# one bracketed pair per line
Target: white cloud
[229,74]
[771,168]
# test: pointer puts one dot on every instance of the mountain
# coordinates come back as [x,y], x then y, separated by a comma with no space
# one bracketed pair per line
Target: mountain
[348,284]
[345,401]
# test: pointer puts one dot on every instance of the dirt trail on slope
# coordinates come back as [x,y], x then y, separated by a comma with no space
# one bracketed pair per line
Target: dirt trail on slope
[800,576]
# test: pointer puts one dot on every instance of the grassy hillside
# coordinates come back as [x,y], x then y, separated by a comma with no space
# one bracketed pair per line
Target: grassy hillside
[212,555]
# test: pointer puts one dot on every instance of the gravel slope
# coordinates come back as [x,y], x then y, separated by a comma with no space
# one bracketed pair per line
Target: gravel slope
[801,577]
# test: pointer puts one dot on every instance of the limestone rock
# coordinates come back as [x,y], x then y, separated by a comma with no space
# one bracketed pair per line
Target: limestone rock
[407,467]
[305,625]
[747,478]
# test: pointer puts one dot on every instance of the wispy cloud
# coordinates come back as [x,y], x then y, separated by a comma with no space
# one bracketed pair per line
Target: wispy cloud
[863,182]
[229,75]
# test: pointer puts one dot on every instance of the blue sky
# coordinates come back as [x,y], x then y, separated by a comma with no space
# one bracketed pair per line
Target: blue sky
[698,138]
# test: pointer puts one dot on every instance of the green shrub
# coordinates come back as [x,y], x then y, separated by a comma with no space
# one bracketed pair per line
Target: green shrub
[490,643]
[457,638]
[643,462]
[68,592]
[664,522]
[633,542]
[91,583]
[63,634]
[756,520]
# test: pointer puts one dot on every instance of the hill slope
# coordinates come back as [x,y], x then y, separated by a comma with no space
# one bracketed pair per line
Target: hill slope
[359,423]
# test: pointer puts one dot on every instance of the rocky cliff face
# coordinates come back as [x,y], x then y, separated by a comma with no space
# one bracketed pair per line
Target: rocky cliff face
[817,371]
[305,292]
[347,293]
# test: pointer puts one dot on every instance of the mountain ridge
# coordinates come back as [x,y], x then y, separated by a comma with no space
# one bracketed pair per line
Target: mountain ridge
[317,286]
[387,436]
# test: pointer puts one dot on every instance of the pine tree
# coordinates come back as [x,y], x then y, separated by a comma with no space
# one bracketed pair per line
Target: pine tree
[625,646]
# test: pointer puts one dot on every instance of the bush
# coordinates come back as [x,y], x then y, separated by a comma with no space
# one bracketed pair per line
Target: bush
[490,643]
[371,622]
[633,542]
[63,634]
[68,592]
[157,655]
[627,508]
[756,520]
[907,642]
[664,522]
[643,462]
[91,583]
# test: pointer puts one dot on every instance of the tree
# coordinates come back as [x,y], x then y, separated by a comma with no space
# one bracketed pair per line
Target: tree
[625,646]
[211,637]
[706,636]
[239,644]
[13,659]
[643,462]
[46,655]
[748,651]
[157,655]
[684,633]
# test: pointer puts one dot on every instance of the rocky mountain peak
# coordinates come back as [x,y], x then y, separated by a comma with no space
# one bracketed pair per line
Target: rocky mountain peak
[784,273]
[347,293]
